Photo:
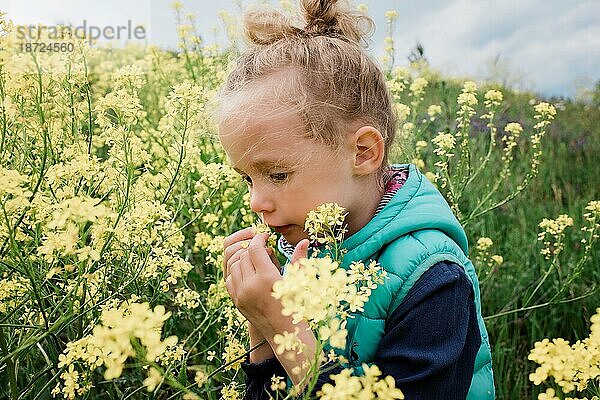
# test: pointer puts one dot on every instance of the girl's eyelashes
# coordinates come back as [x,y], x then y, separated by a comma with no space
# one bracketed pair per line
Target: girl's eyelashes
[246,179]
[279,177]
[275,177]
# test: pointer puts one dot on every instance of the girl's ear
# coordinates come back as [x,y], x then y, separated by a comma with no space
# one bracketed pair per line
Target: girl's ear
[368,149]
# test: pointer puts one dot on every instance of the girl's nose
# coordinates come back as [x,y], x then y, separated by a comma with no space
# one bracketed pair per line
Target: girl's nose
[261,201]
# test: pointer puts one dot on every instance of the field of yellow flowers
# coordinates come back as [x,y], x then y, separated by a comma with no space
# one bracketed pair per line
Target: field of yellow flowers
[116,196]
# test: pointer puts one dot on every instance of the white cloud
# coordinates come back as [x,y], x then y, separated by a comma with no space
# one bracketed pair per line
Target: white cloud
[551,43]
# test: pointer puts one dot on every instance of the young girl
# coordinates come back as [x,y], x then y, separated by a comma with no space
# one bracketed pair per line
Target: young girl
[306,119]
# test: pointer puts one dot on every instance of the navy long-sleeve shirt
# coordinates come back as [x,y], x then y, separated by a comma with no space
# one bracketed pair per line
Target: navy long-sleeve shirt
[429,343]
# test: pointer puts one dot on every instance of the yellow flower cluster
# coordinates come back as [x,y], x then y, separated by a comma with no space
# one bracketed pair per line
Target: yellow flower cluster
[417,89]
[402,111]
[62,236]
[12,291]
[391,14]
[13,190]
[552,234]
[325,225]
[14,197]
[433,111]
[233,350]
[187,298]
[513,130]
[230,392]
[484,243]
[571,366]
[368,386]
[467,100]
[545,115]
[444,142]
[264,228]
[483,256]
[398,82]
[592,217]
[312,289]
[130,330]
[493,98]
[318,290]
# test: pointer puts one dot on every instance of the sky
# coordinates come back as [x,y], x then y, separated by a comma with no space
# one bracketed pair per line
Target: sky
[551,47]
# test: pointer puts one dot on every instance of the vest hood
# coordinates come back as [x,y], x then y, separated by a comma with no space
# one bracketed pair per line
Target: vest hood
[416,205]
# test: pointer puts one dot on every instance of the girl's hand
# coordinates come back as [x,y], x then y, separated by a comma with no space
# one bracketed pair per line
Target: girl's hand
[250,280]
[236,244]
[250,274]
[250,283]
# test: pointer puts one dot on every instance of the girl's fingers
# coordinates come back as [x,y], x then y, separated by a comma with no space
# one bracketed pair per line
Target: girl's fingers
[235,276]
[238,236]
[230,287]
[257,252]
[231,254]
[229,262]
[234,247]
[300,251]
[245,266]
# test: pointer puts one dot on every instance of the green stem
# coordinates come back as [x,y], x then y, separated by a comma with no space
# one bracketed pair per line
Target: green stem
[541,282]
[181,155]
[10,366]
[222,367]
[536,306]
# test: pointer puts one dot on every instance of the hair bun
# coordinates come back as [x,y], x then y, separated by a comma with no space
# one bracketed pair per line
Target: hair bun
[335,16]
[322,17]
[264,27]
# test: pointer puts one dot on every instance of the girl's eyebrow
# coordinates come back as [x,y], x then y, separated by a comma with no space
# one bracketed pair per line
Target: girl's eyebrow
[267,164]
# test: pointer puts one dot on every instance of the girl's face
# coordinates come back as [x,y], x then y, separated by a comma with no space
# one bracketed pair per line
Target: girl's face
[288,174]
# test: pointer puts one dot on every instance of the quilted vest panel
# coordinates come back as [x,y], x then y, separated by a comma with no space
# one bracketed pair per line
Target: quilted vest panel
[405,260]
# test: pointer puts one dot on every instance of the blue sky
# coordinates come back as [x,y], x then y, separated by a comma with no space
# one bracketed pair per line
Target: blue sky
[550,47]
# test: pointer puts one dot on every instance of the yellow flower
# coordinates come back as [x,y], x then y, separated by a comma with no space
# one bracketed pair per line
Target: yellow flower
[571,366]
[552,234]
[434,110]
[402,111]
[493,98]
[200,378]
[362,8]
[484,243]
[230,392]
[233,350]
[288,341]
[444,143]
[514,128]
[334,333]
[110,343]
[325,224]
[368,386]
[391,14]
[277,383]
[417,87]
[153,380]
[187,298]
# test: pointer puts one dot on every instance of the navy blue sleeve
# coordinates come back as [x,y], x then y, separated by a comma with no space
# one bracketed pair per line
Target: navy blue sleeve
[432,338]
[429,343]
[258,378]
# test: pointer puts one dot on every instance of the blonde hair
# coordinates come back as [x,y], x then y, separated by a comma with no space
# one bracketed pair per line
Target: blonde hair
[331,83]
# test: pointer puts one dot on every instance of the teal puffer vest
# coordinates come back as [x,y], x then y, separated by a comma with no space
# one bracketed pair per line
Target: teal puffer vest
[413,232]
